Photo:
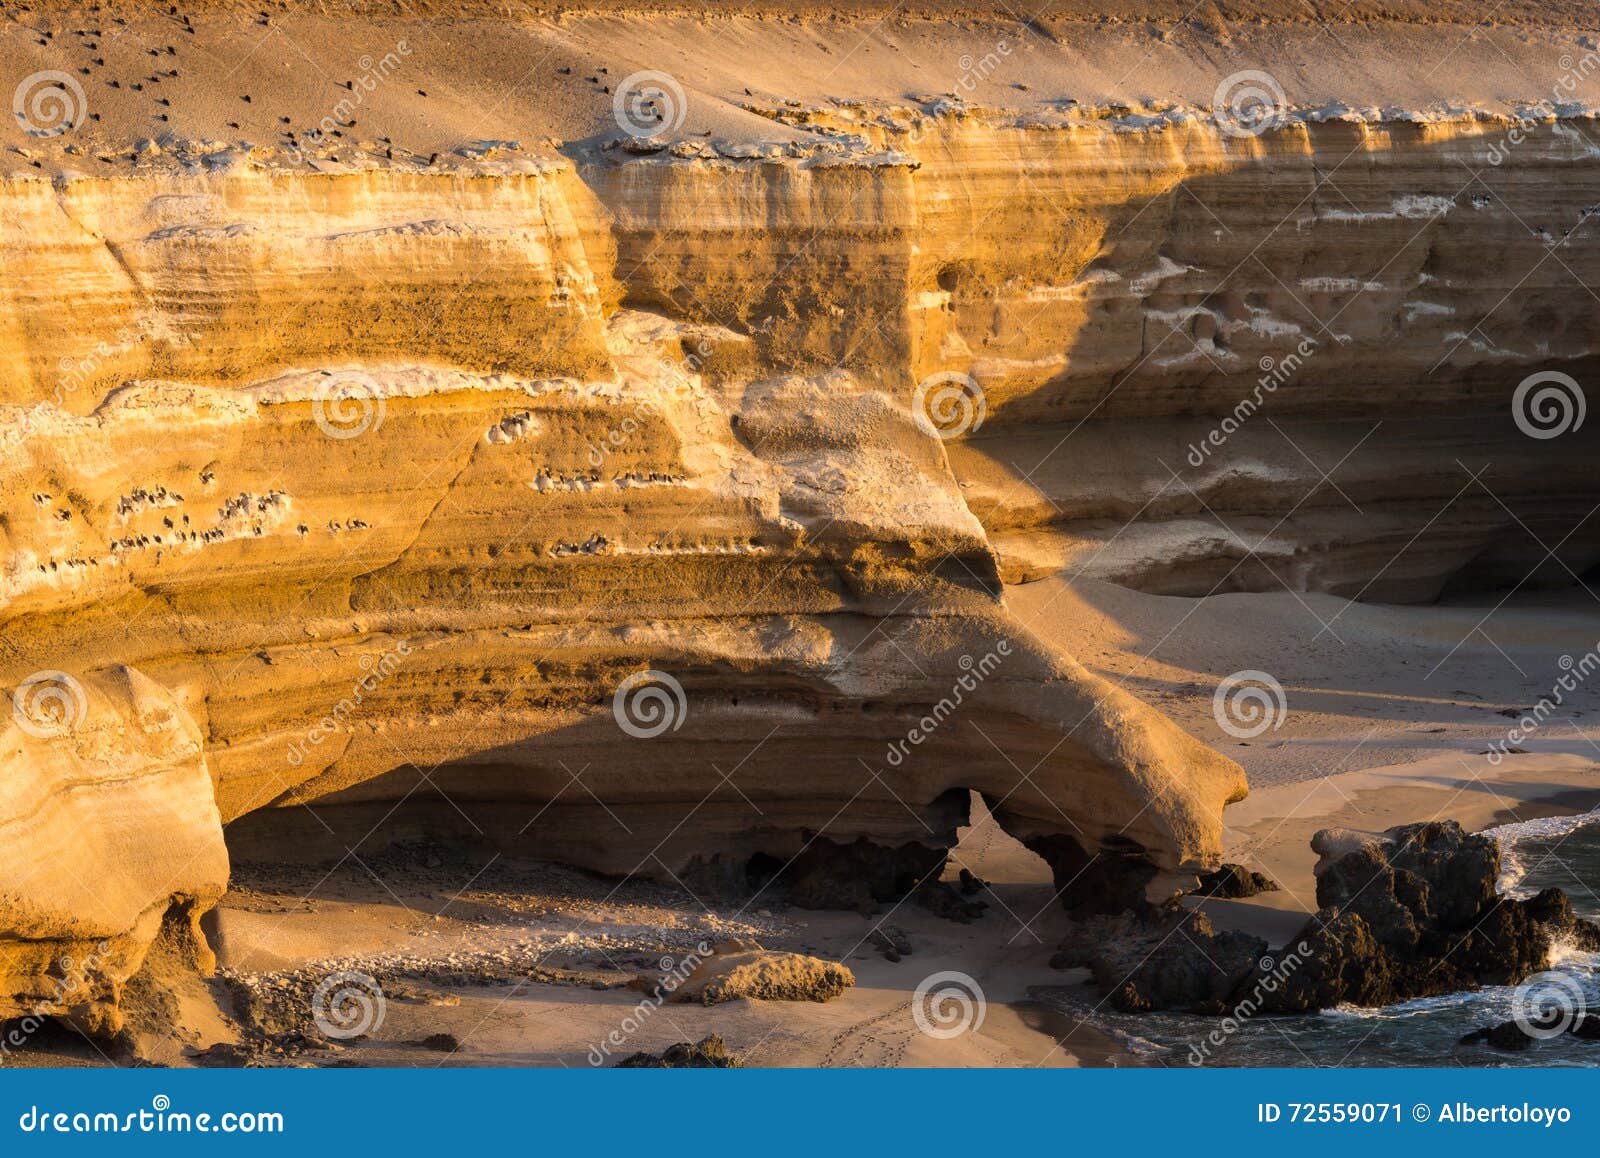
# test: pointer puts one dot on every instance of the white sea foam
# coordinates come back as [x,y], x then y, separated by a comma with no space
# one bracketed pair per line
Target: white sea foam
[1512,838]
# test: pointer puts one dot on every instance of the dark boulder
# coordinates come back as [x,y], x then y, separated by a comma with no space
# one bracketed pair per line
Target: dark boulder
[1586,1028]
[709,1053]
[441,1042]
[1414,913]
[891,941]
[1507,1035]
[1411,913]
[1173,960]
[1233,882]
[1113,880]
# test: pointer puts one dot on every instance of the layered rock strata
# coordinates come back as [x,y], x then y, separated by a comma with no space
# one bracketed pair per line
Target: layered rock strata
[647,503]
[109,839]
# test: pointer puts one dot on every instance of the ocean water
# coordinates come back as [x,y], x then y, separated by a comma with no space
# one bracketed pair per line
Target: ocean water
[1563,852]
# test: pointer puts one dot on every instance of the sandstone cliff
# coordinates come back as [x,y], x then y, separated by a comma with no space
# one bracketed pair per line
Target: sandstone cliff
[108,836]
[646,500]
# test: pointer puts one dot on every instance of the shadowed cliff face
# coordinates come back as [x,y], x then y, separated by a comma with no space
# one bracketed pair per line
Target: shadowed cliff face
[1224,362]
[649,507]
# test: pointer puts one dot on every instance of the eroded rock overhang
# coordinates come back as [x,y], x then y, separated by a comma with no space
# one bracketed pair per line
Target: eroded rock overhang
[391,480]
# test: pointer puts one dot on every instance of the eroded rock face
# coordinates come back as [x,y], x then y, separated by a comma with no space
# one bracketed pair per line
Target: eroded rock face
[773,550]
[1414,913]
[109,838]
[397,477]
[1202,320]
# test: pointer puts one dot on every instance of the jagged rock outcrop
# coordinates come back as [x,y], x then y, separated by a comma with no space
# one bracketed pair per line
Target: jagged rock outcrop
[1510,1035]
[1410,913]
[1233,882]
[1414,913]
[1172,959]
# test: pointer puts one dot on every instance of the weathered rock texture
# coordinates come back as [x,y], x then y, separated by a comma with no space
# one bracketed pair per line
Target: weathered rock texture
[393,467]
[109,837]
[709,1053]
[763,975]
[1411,913]
[1414,913]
